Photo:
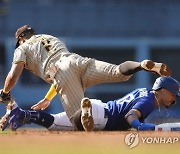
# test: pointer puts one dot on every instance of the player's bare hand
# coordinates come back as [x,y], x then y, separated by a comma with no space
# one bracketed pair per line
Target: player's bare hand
[41,105]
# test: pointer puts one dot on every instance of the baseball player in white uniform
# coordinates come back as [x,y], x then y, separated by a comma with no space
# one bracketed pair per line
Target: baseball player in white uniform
[48,58]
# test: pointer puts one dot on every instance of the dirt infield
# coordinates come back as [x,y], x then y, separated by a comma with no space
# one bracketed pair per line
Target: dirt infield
[40,141]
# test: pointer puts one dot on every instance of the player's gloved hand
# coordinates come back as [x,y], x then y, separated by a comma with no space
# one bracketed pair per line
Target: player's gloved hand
[142,126]
[5,98]
[41,105]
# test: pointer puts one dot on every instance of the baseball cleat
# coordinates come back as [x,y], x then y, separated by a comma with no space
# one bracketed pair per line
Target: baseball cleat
[86,117]
[158,68]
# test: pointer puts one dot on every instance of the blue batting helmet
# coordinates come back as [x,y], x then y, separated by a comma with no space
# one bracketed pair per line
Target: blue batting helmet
[168,83]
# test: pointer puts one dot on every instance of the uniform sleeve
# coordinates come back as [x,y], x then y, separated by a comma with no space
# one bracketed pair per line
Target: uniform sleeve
[145,106]
[19,56]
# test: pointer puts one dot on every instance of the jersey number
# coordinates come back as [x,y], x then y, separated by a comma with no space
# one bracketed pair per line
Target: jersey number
[46,44]
[126,99]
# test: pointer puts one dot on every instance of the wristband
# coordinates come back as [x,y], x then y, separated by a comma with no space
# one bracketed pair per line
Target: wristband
[142,126]
[51,93]
[5,92]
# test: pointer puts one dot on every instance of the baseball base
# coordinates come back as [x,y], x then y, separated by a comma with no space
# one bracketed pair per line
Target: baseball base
[168,127]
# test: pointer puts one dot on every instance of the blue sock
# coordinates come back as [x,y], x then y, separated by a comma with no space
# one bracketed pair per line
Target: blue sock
[38,117]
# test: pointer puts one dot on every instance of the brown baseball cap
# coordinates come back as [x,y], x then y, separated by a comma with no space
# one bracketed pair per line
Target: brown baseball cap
[22,31]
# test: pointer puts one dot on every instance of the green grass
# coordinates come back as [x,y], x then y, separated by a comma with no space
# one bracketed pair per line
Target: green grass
[7,132]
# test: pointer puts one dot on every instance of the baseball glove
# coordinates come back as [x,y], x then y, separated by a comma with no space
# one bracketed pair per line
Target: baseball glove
[5,98]
[4,119]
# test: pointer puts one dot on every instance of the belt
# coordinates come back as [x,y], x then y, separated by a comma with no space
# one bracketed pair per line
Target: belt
[106,113]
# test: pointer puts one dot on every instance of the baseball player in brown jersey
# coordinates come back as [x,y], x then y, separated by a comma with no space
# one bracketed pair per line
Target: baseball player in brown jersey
[48,58]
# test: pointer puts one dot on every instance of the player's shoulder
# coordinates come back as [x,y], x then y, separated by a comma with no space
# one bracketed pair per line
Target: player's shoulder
[43,36]
[145,95]
[142,91]
[21,48]
[139,91]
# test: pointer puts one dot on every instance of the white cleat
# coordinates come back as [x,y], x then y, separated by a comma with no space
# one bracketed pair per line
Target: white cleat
[158,68]
[86,116]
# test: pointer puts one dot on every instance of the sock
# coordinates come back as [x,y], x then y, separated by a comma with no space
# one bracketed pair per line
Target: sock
[38,117]
[130,67]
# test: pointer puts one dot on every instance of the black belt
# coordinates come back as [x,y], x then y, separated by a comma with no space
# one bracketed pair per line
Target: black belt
[106,113]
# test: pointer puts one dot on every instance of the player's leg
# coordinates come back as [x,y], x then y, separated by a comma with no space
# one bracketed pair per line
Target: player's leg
[131,67]
[96,110]
[68,83]
[76,73]
[19,117]
[99,114]
[53,122]
[70,91]
[61,122]
[103,72]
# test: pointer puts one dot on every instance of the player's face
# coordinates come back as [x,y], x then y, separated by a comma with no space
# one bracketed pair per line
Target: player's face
[168,98]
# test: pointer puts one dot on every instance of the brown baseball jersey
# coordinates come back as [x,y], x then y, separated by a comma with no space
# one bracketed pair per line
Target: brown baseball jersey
[73,73]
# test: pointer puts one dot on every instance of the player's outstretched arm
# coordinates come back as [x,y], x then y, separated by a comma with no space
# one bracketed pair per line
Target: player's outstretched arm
[13,76]
[45,102]
[132,118]
[41,105]
[10,82]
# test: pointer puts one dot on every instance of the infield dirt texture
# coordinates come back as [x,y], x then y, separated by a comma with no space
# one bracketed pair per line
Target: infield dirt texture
[40,141]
